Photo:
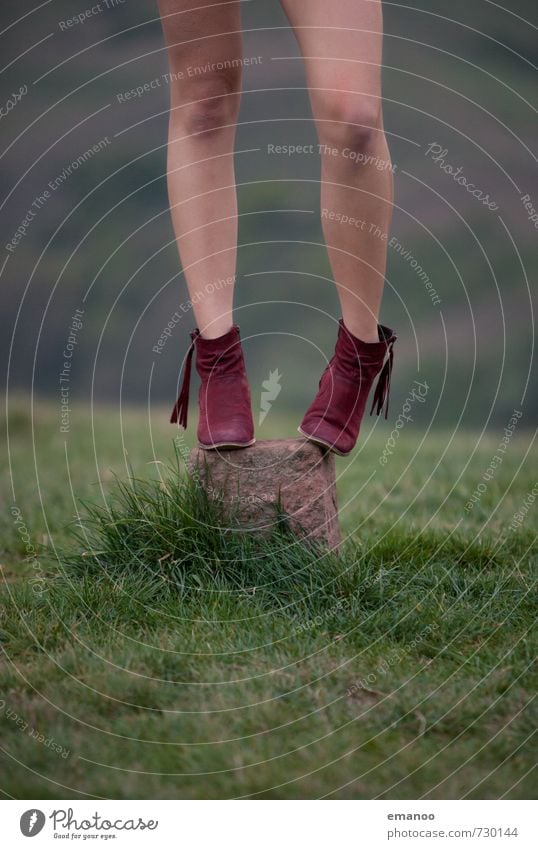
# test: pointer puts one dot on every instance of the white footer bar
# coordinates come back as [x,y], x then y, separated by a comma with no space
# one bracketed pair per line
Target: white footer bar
[268,824]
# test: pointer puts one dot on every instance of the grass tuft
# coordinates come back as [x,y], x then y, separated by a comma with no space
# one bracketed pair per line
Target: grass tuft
[172,531]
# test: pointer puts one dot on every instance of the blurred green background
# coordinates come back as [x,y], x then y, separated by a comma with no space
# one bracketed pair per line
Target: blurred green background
[460,75]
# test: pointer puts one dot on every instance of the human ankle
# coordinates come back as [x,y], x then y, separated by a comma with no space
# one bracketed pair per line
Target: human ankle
[215,331]
[365,331]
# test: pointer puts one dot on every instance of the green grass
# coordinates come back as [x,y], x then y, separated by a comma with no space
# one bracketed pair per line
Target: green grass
[162,655]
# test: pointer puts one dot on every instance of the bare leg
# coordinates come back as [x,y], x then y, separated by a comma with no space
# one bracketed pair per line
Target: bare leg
[201,182]
[341,44]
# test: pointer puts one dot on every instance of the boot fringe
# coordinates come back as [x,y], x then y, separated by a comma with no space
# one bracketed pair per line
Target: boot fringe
[179,413]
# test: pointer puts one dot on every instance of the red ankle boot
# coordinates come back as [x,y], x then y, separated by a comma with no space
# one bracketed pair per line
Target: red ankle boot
[225,412]
[334,417]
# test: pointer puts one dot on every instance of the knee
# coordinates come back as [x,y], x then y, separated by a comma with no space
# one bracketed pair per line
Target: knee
[352,125]
[210,104]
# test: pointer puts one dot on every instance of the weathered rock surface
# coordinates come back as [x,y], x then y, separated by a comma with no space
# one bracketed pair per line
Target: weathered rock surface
[292,473]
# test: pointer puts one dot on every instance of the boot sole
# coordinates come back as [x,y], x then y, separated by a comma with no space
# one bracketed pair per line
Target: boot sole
[323,444]
[226,445]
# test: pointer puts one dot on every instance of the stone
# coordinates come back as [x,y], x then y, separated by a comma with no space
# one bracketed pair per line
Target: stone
[294,474]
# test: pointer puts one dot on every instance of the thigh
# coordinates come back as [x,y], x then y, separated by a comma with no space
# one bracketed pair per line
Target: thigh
[341,43]
[203,37]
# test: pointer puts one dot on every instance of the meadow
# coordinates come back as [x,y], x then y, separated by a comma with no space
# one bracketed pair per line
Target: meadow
[150,652]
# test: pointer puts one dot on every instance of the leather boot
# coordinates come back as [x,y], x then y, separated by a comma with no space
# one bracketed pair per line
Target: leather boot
[334,418]
[225,419]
